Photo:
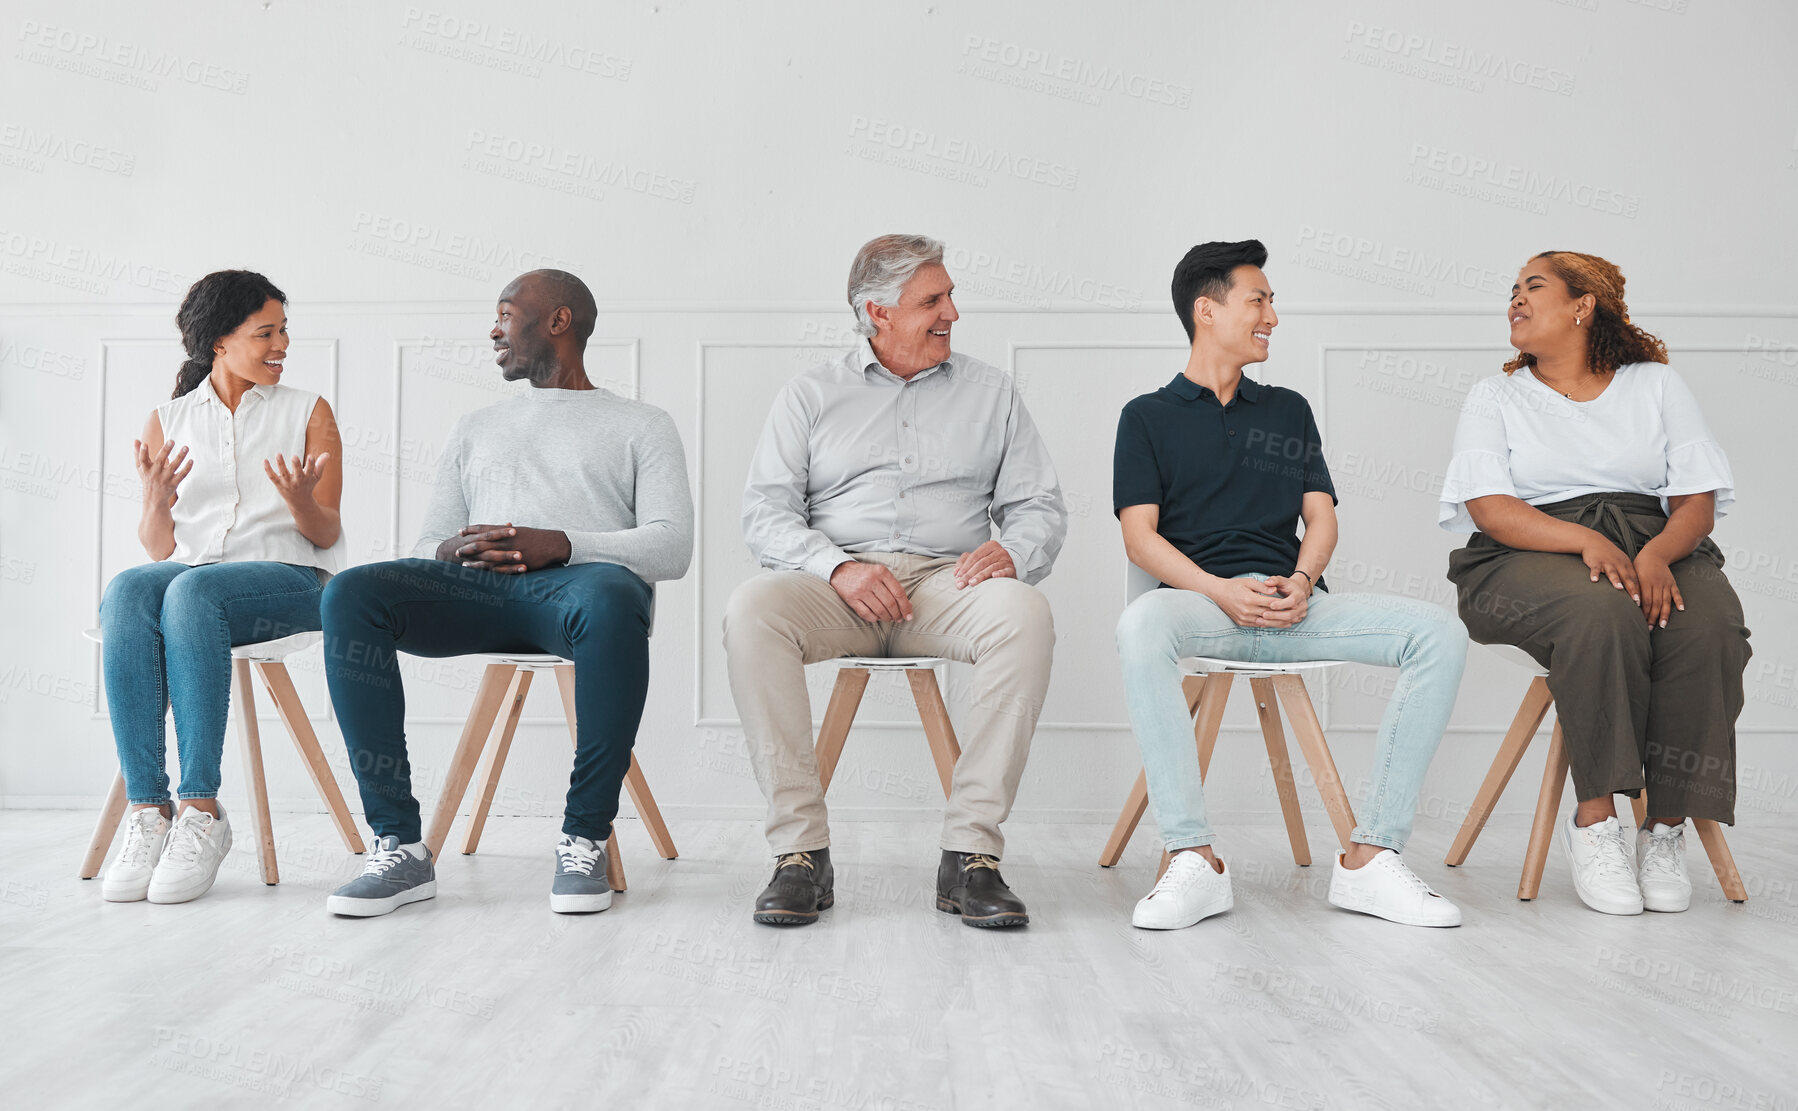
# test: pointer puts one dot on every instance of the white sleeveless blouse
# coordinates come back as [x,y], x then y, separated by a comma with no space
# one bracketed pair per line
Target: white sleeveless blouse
[228,511]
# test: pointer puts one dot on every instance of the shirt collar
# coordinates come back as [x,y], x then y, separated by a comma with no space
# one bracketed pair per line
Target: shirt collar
[210,394]
[1248,389]
[866,360]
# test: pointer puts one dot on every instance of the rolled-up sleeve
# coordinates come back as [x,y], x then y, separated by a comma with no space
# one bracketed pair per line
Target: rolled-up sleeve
[1481,463]
[1027,502]
[776,517]
[659,547]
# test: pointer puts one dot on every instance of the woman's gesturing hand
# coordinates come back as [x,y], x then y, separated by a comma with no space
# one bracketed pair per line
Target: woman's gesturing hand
[162,472]
[300,479]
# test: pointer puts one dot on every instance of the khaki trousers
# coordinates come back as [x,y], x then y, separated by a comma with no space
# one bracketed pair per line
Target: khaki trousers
[779,621]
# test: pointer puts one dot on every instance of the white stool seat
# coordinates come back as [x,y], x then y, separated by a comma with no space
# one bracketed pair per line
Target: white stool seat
[1512,654]
[1210,665]
[888,663]
[526,661]
[264,651]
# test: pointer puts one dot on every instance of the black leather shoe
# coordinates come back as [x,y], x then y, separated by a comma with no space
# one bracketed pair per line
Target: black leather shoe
[969,884]
[801,887]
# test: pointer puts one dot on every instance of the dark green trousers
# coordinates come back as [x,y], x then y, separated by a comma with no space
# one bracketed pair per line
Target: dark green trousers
[1640,708]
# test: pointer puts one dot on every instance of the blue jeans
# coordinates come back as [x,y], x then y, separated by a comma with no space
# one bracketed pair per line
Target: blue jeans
[594,614]
[168,630]
[1426,643]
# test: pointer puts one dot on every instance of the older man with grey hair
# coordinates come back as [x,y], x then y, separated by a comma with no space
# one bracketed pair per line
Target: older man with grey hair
[873,498]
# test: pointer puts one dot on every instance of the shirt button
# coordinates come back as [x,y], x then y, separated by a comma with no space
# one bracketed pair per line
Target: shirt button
[905,424]
[1232,431]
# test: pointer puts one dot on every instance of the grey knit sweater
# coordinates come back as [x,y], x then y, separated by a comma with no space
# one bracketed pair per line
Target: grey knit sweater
[604,469]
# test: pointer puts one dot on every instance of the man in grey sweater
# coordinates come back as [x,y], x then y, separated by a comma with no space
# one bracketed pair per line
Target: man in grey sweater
[553,513]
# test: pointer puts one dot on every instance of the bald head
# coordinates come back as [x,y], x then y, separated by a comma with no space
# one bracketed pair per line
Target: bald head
[545,291]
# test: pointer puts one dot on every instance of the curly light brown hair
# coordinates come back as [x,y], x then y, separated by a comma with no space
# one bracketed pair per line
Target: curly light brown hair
[1612,341]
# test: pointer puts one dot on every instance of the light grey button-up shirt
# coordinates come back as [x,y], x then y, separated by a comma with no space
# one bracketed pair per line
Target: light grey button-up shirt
[855,459]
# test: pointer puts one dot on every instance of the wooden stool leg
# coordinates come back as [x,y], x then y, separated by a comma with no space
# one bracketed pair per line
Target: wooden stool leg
[244,694]
[1529,717]
[1722,861]
[1639,805]
[287,701]
[938,730]
[487,701]
[1205,697]
[1310,734]
[1268,709]
[845,699]
[1548,808]
[495,761]
[106,829]
[1208,713]
[614,864]
[1126,823]
[645,802]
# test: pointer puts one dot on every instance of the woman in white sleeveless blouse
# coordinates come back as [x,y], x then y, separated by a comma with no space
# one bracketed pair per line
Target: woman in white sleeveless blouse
[241,478]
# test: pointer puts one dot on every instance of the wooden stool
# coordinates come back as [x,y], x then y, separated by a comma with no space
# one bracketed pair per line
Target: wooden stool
[265,659]
[1536,701]
[505,683]
[1207,685]
[846,698]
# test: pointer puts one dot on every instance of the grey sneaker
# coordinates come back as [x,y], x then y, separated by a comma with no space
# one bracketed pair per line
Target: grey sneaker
[580,886]
[391,877]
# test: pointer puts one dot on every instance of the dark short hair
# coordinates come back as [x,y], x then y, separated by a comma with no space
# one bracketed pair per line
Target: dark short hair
[1205,272]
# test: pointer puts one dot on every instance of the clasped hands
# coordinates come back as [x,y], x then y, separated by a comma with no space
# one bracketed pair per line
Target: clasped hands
[506,549]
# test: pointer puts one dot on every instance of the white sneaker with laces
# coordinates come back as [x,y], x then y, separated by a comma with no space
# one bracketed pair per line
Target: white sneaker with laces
[1386,887]
[1603,874]
[1189,892]
[1661,868]
[146,831]
[190,861]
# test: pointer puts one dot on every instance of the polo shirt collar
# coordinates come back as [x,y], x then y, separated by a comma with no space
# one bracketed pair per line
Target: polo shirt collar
[866,360]
[1248,389]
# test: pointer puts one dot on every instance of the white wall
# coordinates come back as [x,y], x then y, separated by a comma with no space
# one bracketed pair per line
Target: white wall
[710,168]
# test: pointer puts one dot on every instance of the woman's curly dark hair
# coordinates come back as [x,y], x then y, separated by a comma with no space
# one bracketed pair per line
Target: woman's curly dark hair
[1612,341]
[214,308]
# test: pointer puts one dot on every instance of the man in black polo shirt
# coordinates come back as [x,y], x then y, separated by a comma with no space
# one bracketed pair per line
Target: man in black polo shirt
[1212,474]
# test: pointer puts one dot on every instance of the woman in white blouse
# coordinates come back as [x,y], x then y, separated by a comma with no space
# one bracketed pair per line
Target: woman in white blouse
[241,479]
[1593,482]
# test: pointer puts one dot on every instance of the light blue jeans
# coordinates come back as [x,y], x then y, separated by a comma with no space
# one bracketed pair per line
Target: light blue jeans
[1426,643]
[167,632]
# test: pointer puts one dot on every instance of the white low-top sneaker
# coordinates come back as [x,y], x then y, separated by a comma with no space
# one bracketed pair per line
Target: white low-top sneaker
[1661,867]
[129,877]
[1603,874]
[1386,887]
[190,861]
[1189,892]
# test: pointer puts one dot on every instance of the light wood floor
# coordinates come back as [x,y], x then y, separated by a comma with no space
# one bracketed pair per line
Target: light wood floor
[673,998]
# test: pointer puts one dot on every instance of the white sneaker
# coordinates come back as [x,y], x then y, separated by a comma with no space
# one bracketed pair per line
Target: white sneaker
[190,861]
[1661,867]
[129,877]
[1602,871]
[1189,892]
[1386,887]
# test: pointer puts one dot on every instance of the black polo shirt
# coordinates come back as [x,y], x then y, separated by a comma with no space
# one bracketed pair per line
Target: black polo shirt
[1230,479]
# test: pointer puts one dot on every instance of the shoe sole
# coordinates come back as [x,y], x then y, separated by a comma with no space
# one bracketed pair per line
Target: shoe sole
[1400,919]
[1209,911]
[580,904]
[133,894]
[373,908]
[1003,919]
[1621,910]
[1668,908]
[795,917]
[190,893]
